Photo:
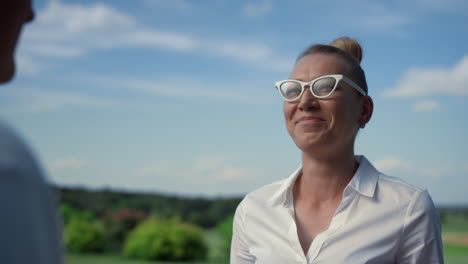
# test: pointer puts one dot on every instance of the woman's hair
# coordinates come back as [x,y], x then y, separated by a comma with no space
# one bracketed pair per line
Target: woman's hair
[349,50]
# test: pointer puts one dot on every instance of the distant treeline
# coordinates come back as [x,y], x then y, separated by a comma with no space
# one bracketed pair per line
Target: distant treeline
[204,212]
[446,212]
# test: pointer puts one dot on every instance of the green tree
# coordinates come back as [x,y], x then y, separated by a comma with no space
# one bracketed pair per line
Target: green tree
[70,213]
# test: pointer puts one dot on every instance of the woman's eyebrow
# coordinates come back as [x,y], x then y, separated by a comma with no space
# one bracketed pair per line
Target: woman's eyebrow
[299,79]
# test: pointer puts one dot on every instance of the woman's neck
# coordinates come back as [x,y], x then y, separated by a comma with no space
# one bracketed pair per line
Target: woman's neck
[324,179]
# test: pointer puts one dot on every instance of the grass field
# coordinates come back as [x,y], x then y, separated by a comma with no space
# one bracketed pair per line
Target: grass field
[113,259]
[454,254]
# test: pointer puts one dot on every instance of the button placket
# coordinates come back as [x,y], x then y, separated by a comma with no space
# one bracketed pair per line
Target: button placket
[293,238]
[316,245]
[337,221]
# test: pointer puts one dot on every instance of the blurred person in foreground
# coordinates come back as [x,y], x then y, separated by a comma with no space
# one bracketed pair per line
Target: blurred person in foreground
[29,227]
[336,207]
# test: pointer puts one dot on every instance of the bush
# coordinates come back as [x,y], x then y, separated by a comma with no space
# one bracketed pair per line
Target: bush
[83,237]
[225,229]
[117,226]
[69,213]
[156,239]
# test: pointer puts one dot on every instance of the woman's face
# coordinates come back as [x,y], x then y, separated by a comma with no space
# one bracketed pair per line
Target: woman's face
[13,14]
[327,126]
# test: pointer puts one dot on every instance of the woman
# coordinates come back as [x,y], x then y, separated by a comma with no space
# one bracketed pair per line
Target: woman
[335,208]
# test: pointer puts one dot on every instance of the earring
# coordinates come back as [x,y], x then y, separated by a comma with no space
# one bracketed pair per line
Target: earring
[362,125]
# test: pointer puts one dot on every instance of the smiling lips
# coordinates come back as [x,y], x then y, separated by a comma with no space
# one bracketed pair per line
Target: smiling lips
[309,120]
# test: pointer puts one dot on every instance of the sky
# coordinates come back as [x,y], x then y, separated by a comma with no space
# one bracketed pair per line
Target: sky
[177,96]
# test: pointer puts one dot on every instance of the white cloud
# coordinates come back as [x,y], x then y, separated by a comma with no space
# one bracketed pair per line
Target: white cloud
[233,173]
[456,6]
[257,9]
[75,18]
[373,16]
[212,174]
[218,167]
[43,100]
[207,168]
[64,164]
[446,181]
[426,106]
[221,174]
[177,4]
[209,163]
[252,53]
[379,22]
[195,89]
[73,30]
[152,38]
[391,163]
[55,50]
[399,166]
[433,81]
[28,65]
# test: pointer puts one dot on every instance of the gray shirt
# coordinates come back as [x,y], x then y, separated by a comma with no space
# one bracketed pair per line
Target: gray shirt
[29,224]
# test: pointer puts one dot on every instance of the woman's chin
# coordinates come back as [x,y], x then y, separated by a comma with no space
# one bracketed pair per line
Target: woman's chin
[7,73]
[309,142]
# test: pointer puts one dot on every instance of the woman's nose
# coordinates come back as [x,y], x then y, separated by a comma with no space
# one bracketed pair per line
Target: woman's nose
[308,101]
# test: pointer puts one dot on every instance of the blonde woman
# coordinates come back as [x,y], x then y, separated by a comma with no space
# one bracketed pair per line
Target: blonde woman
[335,208]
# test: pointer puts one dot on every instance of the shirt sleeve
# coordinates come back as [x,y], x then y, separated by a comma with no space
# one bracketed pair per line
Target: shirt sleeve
[240,253]
[421,241]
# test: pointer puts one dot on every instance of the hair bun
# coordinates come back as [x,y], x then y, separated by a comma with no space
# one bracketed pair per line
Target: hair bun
[349,45]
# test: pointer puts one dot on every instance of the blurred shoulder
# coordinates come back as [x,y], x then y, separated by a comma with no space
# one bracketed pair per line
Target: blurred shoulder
[11,146]
[15,156]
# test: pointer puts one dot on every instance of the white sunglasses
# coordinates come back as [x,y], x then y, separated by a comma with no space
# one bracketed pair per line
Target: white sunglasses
[321,87]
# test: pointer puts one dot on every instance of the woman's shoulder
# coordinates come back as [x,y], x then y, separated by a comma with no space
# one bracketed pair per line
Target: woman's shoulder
[262,196]
[265,192]
[398,184]
[404,193]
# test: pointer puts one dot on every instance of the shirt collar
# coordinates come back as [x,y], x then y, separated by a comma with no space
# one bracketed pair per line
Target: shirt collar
[364,182]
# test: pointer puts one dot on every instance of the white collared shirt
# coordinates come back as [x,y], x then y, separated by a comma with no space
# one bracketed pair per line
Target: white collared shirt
[380,220]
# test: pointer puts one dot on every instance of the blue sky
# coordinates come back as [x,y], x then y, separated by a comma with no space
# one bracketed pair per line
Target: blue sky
[177,96]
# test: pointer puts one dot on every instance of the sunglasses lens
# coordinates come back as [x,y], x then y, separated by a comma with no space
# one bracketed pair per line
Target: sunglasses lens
[290,90]
[323,87]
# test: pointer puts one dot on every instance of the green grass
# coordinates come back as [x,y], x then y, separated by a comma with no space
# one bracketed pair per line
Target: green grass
[213,240]
[455,224]
[454,254]
[456,250]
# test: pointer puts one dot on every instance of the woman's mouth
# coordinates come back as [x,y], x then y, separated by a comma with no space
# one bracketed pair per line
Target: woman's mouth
[309,120]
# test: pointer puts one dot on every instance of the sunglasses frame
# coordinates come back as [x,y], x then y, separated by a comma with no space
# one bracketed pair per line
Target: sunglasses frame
[337,77]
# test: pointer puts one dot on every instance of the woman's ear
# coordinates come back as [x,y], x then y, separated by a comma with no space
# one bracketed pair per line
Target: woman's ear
[366,111]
